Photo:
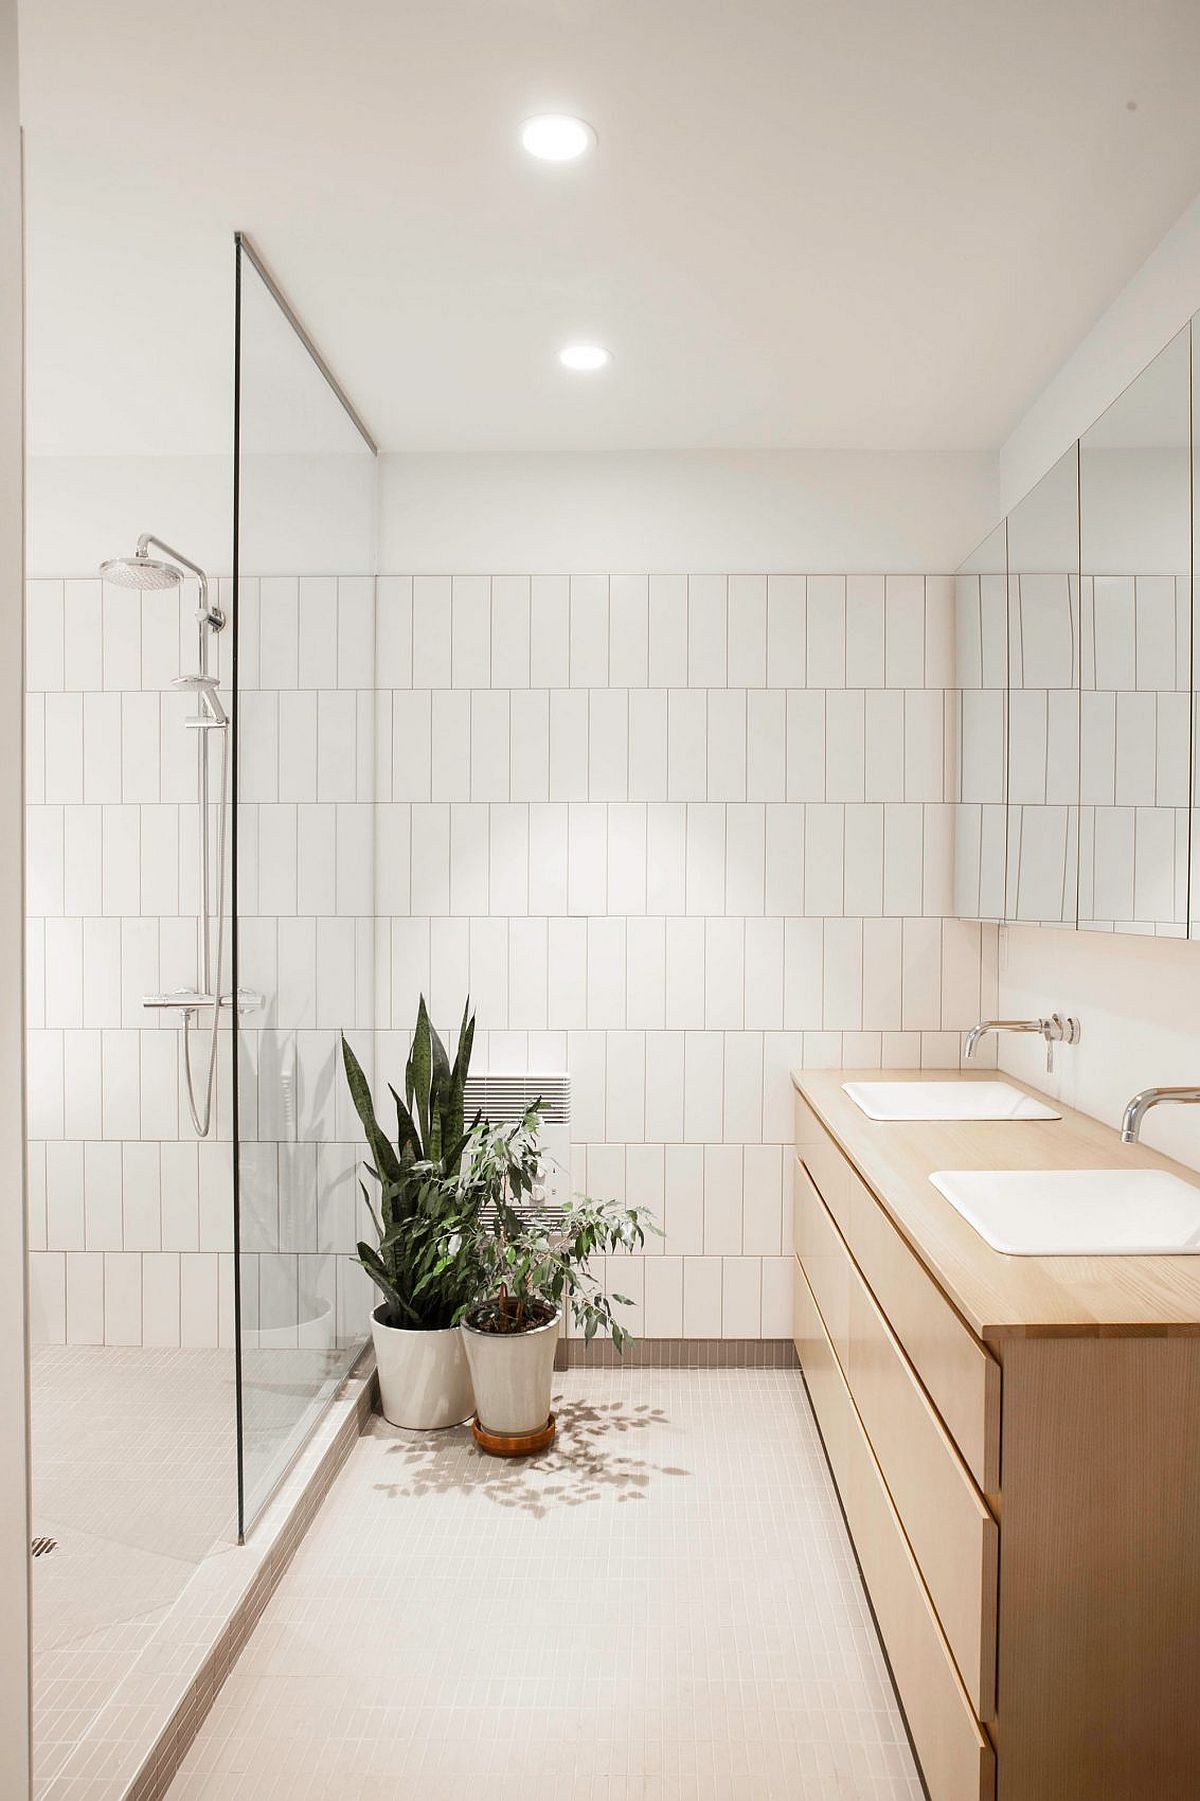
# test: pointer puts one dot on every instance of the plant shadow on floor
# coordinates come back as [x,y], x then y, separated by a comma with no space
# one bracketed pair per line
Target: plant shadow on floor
[588,1461]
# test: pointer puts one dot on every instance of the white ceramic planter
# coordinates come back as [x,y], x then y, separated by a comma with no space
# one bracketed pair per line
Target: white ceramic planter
[424,1381]
[512,1375]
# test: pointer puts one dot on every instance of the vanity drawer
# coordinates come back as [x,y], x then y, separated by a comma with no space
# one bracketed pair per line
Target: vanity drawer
[825,1163]
[953,1536]
[961,1378]
[956,1755]
[821,1250]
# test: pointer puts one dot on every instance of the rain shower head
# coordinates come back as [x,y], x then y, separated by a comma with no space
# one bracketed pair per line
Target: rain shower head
[140,572]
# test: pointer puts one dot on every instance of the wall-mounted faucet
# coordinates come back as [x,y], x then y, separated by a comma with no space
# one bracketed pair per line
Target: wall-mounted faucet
[1055,1030]
[1140,1105]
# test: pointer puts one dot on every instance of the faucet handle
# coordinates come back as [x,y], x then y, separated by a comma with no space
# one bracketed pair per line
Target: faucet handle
[1057,1030]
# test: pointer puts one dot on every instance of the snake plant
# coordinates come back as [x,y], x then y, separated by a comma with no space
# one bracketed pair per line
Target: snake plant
[425,1262]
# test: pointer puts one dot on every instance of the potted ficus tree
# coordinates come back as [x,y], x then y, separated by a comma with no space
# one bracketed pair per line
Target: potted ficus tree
[532,1263]
[425,1261]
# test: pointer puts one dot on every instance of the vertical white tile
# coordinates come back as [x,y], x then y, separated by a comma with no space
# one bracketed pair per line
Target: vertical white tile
[939,631]
[471,629]
[567,953]
[198,1307]
[683,1201]
[529,744]
[763,1206]
[43,636]
[921,975]
[80,849]
[826,666]
[122,1298]
[548,859]
[885,758]
[806,744]
[44,860]
[336,973]
[687,760]
[824,850]
[706,859]
[412,745]
[550,631]
[568,744]
[707,659]
[64,972]
[628,630]
[741,1297]
[394,628]
[65,1227]
[489,971]
[318,650]
[626,858]
[924,736]
[664,1085]
[47,1298]
[141,1197]
[508,859]
[121,852]
[903,859]
[586,1063]
[664,1297]
[431,655]
[120,1053]
[702,1285]
[845,744]
[490,741]
[35,748]
[510,631]
[666,858]
[862,860]
[140,754]
[102,746]
[843,975]
[298,746]
[787,631]
[785,859]
[747,631]
[703,1086]
[608,744]
[777,1296]
[451,775]
[296,998]
[337,745]
[431,859]
[356,627]
[85,1298]
[668,631]
[764,974]
[766,744]
[589,631]
[646,955]
[724,973]
[83,655]
[904,626]
[279,631]
[606,974]
[684,973]
[318,857]
[625,1091]
[864,631]
[727,748]
[745,859]
[528,972]
[648,744]
[160,1298]
[587,859]
[743,1097]
[64,757]
[803,980]
[722,1199]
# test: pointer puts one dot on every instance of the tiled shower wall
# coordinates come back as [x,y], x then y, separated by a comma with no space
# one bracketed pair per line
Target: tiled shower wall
[677,835]
[131,1219]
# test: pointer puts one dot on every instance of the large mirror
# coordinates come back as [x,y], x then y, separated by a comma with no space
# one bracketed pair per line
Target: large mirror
[981,700]
[1135,663]
[1041,872]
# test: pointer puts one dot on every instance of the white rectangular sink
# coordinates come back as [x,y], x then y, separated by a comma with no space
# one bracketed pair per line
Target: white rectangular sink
[946,1100]
[1077,1212]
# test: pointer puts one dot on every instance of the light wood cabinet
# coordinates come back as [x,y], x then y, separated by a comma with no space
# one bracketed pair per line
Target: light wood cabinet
[1026,1511]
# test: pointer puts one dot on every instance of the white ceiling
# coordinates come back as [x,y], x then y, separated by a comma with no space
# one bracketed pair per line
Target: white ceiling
[873,223]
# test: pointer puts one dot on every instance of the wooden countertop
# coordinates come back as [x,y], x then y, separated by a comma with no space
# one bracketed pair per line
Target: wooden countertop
[1001,1296]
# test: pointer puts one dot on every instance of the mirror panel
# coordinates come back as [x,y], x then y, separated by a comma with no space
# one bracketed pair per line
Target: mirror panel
[981,729]
[1041,860]
[1135,654]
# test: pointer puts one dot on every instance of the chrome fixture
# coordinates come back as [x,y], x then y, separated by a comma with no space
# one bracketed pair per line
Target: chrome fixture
[144,572]
[1055,1030]
[1140,1105]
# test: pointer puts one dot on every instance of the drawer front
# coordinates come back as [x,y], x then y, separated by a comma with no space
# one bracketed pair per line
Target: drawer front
[962,1379]
[823,1254]
[955,1753]
[953,1536]
[825,1163]
[819,1364]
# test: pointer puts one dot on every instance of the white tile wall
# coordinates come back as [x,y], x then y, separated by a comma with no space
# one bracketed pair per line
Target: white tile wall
[690,832]
[131,1218]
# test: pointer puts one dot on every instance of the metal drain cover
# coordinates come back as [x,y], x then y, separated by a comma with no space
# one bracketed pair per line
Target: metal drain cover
[42,1547]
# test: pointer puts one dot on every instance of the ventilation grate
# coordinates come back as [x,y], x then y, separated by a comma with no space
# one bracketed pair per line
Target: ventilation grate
[504,1098]
[42,1546]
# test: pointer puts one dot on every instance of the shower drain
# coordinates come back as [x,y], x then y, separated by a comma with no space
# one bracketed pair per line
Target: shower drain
[42,1547]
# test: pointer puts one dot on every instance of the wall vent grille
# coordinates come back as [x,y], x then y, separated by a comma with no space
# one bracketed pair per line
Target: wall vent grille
[504,1098]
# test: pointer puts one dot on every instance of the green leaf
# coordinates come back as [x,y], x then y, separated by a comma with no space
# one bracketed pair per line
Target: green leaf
[386,1161]
[418,1071]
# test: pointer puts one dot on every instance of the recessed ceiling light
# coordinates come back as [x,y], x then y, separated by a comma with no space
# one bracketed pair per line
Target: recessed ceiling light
[556,137]
[584,357]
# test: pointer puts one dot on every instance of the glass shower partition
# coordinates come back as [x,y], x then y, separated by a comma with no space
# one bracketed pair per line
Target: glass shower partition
[303,866]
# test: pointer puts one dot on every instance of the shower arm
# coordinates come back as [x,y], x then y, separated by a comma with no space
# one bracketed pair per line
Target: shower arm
[209,614]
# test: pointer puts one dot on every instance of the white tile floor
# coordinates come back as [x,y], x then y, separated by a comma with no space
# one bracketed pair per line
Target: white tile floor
[664,1608]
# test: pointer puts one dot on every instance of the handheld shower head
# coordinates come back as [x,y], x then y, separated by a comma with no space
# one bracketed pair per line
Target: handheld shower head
[140,571]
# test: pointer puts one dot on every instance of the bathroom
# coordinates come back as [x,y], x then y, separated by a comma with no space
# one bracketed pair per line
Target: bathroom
[624,576]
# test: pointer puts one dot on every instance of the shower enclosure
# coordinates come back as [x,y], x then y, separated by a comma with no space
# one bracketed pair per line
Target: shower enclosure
[200,893]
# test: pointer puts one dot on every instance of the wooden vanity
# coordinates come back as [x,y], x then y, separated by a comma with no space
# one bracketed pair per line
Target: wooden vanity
[1016,1443]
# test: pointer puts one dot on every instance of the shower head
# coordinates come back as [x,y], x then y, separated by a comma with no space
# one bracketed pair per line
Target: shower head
[140,571]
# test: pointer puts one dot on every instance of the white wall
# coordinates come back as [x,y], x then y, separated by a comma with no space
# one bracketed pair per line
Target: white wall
[1155,304]
[14,1404]
[676,834]
[1138,1001]
[689,511]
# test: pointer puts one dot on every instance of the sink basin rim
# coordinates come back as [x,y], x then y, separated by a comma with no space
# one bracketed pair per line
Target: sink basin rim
[965,1101]
[1113,1219]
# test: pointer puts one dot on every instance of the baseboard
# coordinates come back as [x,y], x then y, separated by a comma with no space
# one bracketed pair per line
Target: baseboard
[680,1354]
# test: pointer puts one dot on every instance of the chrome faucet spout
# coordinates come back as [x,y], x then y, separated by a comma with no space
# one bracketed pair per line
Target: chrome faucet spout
[1140,1105]
[1055,1030]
